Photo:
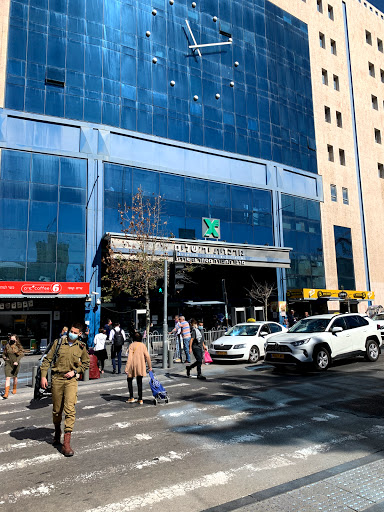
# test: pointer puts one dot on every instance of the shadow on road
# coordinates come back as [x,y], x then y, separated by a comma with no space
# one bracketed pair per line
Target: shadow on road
[35,434]
[110,398]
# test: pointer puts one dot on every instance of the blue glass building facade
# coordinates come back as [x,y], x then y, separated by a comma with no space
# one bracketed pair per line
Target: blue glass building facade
[104,96]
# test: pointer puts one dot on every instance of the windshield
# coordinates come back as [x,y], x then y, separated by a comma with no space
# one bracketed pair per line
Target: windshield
[310,325]
[243,330]
[378,317]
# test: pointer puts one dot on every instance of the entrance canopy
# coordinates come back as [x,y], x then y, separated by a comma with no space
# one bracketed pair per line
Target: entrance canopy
[204,303]
[340,295]
[200,252]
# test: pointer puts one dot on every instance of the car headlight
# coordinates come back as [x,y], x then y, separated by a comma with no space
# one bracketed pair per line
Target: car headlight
[242,345]
[301,342]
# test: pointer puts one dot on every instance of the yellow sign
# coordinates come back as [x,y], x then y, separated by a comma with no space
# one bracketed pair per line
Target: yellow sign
[314,294]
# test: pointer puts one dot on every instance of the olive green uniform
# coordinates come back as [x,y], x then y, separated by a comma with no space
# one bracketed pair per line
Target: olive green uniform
[64,391]
[10,357]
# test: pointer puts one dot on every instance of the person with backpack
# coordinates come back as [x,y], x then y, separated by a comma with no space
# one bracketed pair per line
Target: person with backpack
[196,346]
[117,336]
[68,357]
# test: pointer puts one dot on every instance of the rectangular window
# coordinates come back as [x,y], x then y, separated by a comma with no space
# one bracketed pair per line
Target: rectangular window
[382,75]
[377,136]
[368,37]
[336,84]
[375,104]
[319,5]
[327,114]
[345,196]
[333,193]
[331,156]
[339,119]
[371,69]
[324,76]
[380,45]
[330,12]
[322,40]
[333,47]
[342,156]
[344,258]
[380,168]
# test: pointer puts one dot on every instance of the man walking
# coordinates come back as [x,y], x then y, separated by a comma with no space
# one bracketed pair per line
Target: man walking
[186,335]
[196,345]
[117,336]
[68,357]
[177,332]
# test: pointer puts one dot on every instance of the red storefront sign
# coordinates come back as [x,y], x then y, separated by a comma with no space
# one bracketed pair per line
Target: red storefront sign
[42,288]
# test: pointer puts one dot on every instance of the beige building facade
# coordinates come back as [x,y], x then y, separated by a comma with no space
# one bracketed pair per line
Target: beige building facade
[347,67]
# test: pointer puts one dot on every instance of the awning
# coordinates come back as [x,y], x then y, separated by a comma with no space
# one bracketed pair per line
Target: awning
[204,303]
[32,297]
[338,295]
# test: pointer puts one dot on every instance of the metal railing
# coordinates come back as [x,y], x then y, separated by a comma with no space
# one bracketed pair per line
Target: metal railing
[155,340]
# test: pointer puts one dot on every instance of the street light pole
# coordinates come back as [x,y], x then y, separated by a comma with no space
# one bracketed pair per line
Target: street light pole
[165,319]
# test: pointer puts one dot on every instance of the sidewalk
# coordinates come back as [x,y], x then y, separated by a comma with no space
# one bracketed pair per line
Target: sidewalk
[354,486]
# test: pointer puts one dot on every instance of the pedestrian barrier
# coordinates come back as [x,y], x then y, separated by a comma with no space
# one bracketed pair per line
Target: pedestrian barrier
[155,340]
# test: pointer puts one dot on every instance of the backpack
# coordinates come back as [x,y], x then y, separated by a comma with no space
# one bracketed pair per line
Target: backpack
[198,338]
[118,339]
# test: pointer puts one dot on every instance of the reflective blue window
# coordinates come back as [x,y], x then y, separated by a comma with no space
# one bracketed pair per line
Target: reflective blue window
[101,46]
[344,258]
[304,236]
[245,214]
[36,243]
[71,218]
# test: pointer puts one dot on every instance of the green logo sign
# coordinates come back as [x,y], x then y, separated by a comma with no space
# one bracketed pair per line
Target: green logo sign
[211,228]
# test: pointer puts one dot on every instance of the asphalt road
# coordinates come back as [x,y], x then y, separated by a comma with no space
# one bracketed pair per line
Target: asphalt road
[243,439]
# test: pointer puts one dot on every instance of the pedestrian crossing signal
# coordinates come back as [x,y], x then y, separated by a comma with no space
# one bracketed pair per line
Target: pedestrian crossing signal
[160,285]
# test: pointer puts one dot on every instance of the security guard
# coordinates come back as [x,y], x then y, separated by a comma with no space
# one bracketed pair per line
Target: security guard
[72,359]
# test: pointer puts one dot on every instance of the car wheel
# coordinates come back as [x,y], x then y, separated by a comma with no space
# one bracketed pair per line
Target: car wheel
[321,359]
[254,355]
[372,351]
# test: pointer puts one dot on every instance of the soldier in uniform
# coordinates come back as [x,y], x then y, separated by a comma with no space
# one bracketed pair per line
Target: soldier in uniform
[72,359]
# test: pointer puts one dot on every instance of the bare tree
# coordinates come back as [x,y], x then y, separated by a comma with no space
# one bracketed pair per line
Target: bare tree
[261,293]
[136,270]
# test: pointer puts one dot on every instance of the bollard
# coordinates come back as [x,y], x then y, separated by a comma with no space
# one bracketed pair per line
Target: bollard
[86,375]
[34,373]
[170,358]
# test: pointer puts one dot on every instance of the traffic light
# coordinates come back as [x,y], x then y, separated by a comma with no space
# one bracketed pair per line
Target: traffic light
[176,277]
[160,284]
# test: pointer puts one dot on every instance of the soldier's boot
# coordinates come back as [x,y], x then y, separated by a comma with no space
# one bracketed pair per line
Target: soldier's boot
[6,392]
[14,387]
[57,436]
[66,449]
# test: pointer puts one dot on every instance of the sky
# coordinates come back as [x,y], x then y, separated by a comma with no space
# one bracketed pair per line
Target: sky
[378,3]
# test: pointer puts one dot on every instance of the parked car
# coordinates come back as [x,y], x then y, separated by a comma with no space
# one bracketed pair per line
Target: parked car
[245,341]
[379,321]
[321,339]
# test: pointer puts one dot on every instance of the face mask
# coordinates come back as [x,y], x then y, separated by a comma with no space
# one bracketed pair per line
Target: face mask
[72,336]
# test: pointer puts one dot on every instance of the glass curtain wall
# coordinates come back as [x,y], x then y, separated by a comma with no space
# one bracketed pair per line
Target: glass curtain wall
[42,217]
[302,232]
[245,213]
[93,60]
[344,258]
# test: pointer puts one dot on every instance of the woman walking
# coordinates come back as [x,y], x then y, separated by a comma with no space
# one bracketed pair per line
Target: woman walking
[138,356]
[99,348]
[12,354]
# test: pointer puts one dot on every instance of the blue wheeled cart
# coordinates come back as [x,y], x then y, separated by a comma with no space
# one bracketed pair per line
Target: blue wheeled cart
[158,391]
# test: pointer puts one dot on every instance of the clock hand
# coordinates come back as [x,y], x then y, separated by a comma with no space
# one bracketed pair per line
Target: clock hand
[195,46]
[193,37]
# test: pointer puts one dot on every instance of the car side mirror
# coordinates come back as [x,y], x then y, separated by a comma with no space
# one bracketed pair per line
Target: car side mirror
[335,330]
[263,334]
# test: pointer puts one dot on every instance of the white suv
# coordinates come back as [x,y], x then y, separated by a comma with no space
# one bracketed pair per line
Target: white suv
[321,339]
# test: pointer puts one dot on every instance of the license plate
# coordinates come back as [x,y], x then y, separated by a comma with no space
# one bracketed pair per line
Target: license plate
[277,356]
[221,353]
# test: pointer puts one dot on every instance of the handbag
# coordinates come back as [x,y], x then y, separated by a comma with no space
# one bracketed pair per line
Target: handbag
[207,357]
